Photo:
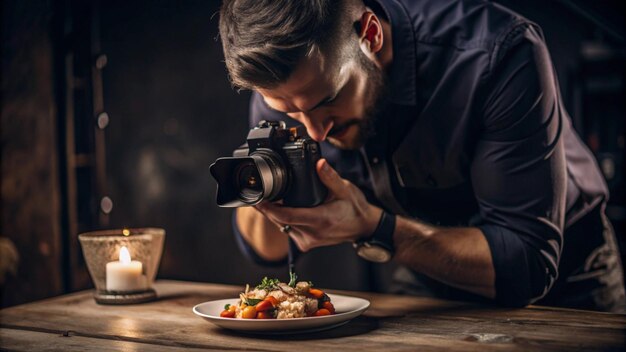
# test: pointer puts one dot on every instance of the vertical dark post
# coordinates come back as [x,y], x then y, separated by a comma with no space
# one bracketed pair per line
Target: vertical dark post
[81,124]
[62,93]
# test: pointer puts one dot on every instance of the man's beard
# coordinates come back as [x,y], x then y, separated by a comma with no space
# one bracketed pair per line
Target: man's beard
[378,98]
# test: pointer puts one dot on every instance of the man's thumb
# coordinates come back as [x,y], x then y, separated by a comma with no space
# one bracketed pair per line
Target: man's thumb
[329,177]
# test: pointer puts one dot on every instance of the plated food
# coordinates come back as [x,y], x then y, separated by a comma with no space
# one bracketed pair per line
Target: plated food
[347,308]
[273,299]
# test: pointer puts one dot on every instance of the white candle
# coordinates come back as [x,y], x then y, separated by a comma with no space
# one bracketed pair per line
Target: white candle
[125,274]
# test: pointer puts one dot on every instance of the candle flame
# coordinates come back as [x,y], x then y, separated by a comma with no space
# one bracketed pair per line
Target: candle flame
[126,232]
[124,255]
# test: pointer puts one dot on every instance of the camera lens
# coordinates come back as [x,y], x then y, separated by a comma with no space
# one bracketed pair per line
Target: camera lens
[250,179]
[270,176]
[248,182]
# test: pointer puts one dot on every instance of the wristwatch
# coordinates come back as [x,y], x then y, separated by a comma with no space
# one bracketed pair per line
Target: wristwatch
[379,246]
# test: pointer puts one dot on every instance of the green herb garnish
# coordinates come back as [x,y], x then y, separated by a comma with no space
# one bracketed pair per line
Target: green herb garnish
[292,278]
[268,284]
[227,307]
[252,301]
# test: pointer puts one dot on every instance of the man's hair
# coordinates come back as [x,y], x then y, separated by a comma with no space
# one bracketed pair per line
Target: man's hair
[264,40]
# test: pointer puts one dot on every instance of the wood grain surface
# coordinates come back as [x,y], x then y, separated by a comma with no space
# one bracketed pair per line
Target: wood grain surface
[392,323]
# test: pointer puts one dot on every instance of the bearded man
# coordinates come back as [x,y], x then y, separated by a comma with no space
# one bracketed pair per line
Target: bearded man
[447,147]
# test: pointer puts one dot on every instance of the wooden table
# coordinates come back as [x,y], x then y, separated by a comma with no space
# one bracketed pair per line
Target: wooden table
[76,322]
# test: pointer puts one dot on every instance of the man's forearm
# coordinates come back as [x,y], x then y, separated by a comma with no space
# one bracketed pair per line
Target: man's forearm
[262,235]
[457,256]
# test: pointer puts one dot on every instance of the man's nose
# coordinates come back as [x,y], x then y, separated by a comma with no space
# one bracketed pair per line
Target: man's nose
[316,127]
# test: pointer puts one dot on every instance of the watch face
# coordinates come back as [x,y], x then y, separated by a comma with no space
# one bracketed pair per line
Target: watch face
[374,253]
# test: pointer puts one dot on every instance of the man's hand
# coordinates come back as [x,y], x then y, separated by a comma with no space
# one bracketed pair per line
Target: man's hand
[345,216]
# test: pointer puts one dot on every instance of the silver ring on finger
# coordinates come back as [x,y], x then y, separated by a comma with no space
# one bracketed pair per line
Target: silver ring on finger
[285,229]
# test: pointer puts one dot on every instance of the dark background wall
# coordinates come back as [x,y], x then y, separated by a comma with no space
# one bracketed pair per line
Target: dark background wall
[29,192]
[112,112]
[172,113]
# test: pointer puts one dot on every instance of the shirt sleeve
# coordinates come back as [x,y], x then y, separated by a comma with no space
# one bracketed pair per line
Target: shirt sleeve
[518,170]
[250,253]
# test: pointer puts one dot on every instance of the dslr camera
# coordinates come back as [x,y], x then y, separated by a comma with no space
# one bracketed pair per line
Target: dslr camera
[276,163]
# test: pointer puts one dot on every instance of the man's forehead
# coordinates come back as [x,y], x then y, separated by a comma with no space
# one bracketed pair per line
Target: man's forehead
[313,78]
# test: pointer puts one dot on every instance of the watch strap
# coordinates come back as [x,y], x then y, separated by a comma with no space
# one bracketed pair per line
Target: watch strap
[384,231]
[383,234]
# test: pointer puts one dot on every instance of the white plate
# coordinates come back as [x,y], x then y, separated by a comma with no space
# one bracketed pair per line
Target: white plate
[346,308]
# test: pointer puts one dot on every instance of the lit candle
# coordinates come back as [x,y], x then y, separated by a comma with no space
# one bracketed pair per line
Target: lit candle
[125,274]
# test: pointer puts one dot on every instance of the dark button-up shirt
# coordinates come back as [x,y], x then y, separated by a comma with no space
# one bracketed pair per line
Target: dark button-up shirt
[476,135]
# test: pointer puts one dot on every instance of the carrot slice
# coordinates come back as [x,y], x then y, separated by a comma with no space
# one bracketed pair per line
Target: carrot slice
[273,300]
[264,315]
[321,312]
[264,305]
[227,314]
[316,293]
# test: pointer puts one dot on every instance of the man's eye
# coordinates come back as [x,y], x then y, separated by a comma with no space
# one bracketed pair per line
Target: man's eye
[331,100]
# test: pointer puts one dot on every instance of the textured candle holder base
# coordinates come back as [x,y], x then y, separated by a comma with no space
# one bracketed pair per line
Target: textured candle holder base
[124,298]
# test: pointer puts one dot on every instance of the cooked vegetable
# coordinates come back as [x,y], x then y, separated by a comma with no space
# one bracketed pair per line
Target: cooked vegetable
[229,311]
[329,306]
[264,305]
[322,312]
[272,299]
[318,294]
[249,312]
[265,315]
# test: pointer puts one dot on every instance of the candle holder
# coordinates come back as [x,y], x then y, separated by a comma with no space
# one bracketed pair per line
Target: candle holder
[143,245]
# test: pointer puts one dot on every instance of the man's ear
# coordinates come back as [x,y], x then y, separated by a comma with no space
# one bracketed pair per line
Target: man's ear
[370,34]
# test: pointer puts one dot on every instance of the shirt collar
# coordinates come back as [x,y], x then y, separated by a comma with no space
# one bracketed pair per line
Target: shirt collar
[402,72]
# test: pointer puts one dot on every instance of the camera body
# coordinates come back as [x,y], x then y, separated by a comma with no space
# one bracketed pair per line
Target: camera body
[276,163]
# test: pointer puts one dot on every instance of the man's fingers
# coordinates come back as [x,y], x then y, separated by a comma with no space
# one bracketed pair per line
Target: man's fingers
[330,178]
[287,215]
[304,240]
